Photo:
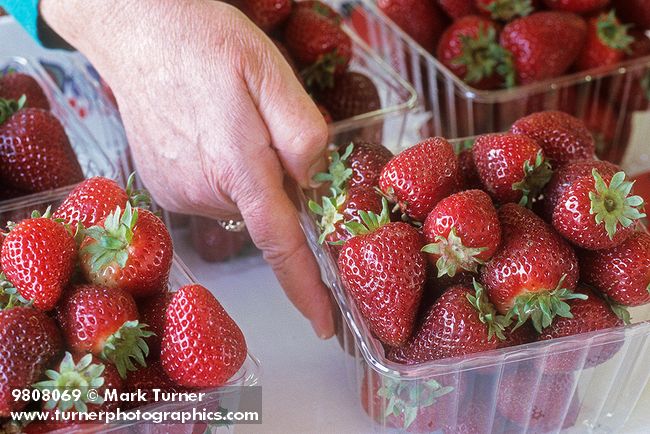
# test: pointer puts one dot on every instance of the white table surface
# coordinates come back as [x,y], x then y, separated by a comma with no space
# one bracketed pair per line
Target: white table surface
[304,385]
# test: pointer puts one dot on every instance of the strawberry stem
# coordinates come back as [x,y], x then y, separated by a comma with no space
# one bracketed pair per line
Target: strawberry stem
[371,221]
[506,10]
[488,313]
[330,212]
[612,33]
[137,198]
[541,307]
[127,343]
[81,376]
[321,73]
[536,176]
[113,239]
[612,204]
[453,254]
[9,106]
[338,172]
[408,397]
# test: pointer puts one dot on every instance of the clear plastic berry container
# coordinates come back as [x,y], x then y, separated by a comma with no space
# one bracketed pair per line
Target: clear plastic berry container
[94,158]
[483,388]
[249,374]
[606,98]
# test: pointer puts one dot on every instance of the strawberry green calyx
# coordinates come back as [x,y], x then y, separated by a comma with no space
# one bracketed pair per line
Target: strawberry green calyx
[113,239]
[408,397]
[612,204]
[487,313]
[329,213]
[612,33]
[541,307]
[371,221]
[9,295]
[9,106]
[621,312]
[482,56]
[506,10]
[127,343]
[137,198]
[322,72]
[453,254]
[338,171]
[536,176]
[83,376]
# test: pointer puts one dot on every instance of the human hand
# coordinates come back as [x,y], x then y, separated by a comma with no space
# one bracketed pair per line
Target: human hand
[215,118]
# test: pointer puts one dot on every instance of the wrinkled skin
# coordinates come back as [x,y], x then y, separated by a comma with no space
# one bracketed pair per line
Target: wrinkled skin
[214,120]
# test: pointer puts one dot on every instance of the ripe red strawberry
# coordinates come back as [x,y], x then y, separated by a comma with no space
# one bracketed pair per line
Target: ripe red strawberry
[35,153]
[512,167]
[533,272]
[104,322]
[463,231]
[91,202]
[422,20]
[29,340]
[152,312]
[598,212]
[38,257]
[606,43]
[634,11]
[340,209]
[562,137]
[316,41]
[504,10]
[202,346]
[15,84]
[384,271]
[130,250]
[421,176]
[462,321]
[544,44]
[567,175]
[588,315]
[215,244]
[148,378]
[82,372]
[539,402]
[458,8]
[582,7]
[367,161]
[469,48]
[267,14]
[467,169]
[351,94]
[621,273]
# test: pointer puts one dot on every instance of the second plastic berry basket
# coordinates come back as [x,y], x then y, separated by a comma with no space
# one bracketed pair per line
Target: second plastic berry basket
[607,99]
[249,374]
[92,155]
[476,390]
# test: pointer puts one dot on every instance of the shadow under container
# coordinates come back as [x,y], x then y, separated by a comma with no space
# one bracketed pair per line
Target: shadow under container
[605,98]
[239,389]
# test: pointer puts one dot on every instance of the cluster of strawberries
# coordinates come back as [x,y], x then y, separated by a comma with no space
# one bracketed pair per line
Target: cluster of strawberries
[85,302]
[309,36]
[35,151]
[502,43]
[461,263]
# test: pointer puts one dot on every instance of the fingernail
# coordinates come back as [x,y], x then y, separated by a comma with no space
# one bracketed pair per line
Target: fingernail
[324,328]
